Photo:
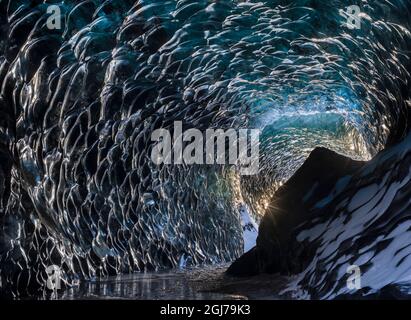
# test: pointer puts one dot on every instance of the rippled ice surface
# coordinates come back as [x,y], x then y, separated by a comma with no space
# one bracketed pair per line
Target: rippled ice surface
[80,105]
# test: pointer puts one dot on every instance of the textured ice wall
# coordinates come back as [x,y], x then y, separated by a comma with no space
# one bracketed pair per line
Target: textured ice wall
[78,105]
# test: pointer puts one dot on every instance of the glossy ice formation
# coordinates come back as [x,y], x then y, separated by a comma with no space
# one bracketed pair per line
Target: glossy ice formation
[78,105]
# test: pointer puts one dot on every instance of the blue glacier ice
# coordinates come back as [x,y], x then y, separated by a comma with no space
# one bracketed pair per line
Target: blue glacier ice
[78,105]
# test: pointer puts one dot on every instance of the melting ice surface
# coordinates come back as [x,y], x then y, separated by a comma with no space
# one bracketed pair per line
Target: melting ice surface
[174,285]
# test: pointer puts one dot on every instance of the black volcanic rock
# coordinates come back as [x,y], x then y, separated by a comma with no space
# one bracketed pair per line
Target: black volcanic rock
[290,207]
[359,227]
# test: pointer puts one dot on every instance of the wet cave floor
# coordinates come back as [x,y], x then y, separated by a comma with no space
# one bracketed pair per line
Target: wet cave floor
[206,283]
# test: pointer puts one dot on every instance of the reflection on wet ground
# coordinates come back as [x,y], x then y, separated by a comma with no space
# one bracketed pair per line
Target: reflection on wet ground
[196,284]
